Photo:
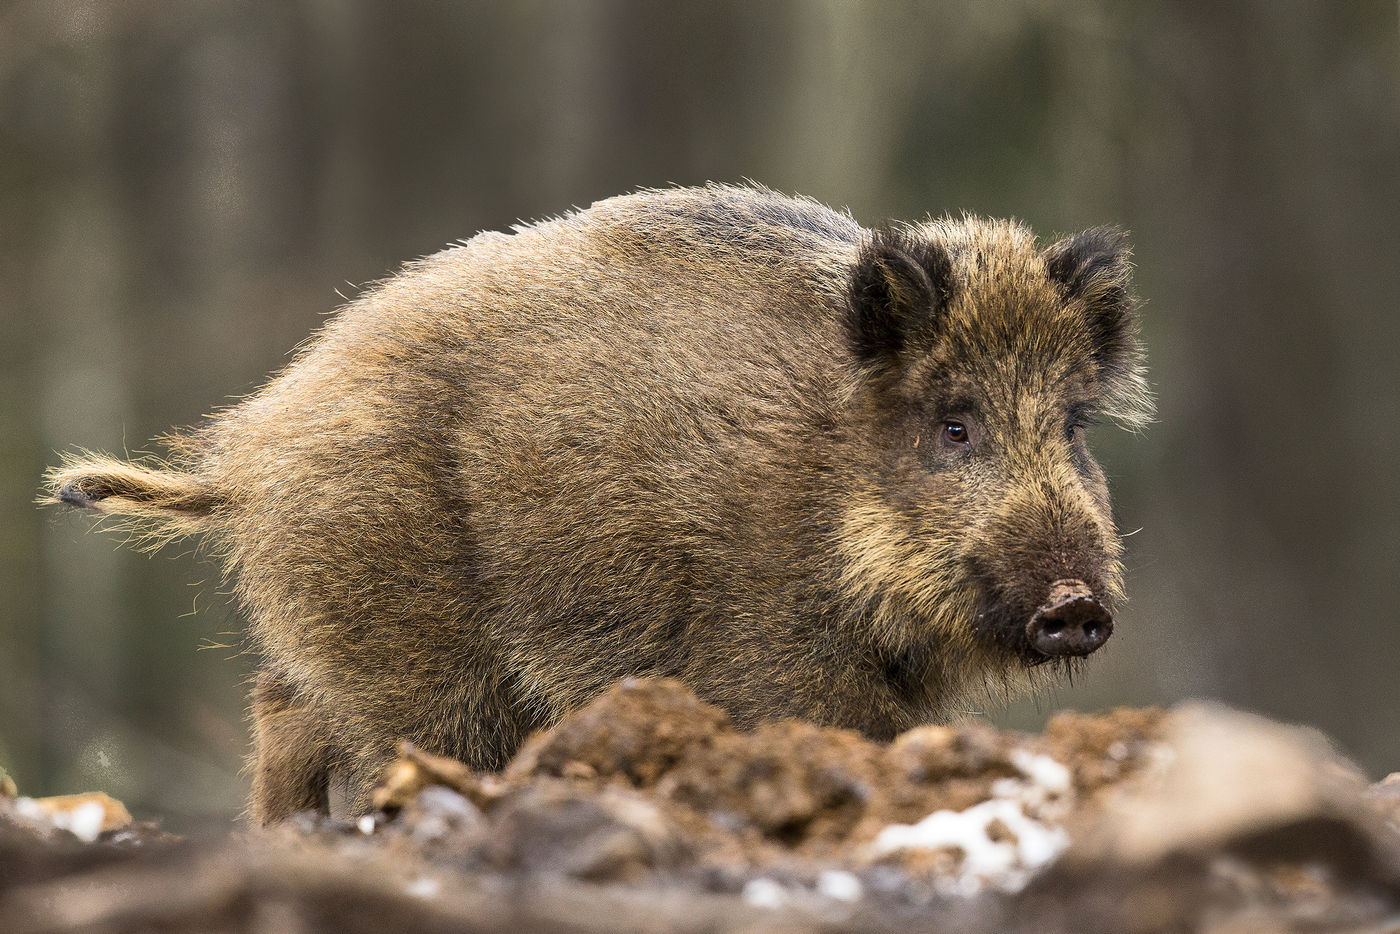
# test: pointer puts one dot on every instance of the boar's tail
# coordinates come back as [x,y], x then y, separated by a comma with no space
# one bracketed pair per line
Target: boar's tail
[156,502]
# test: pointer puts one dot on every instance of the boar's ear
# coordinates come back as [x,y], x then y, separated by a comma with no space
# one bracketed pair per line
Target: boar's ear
[1092,269]
[899,284]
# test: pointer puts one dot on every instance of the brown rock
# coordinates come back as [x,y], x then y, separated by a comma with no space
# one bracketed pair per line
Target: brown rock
[637,731]
[86,815]
[607,836]
[791,781]
[416,770]
[1235,782]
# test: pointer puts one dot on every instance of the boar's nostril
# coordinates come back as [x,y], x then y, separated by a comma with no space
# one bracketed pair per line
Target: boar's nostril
[1070,622]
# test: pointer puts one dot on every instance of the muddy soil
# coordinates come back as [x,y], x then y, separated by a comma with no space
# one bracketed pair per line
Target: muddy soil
[647,811]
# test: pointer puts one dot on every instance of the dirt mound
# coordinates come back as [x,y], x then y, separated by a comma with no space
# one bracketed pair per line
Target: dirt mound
[647,811]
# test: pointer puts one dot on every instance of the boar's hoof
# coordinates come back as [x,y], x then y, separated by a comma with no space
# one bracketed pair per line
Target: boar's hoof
[1070,622]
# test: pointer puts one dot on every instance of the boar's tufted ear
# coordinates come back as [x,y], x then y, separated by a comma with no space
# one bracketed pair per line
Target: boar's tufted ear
[900,282]
[1092,269]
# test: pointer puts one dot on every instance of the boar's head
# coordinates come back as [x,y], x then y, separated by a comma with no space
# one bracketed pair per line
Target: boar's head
[981,538]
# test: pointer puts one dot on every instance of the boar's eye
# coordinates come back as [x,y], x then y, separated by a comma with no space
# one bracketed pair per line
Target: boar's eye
[955,433]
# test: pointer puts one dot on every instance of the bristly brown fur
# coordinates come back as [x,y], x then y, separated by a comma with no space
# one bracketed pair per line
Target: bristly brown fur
[688,432]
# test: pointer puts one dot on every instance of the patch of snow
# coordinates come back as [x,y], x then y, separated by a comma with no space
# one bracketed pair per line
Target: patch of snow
[1009,788]
[765,893]
[29,809]
[1042,770]
[1005,840]
[840,885]
[424,887]
[83,822]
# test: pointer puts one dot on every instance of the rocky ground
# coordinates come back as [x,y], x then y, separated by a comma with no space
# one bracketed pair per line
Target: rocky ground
[647,812]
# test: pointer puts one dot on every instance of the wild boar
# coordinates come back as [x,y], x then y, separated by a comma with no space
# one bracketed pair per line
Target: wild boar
[719,434]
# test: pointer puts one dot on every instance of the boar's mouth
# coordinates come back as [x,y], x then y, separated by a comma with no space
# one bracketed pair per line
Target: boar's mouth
[1071,622]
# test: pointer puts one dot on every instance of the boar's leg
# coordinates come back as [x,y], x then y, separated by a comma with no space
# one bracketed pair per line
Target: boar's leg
[473,716]
[292,753]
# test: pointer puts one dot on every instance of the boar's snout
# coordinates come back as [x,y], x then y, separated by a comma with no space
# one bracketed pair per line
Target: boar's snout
[1070,622]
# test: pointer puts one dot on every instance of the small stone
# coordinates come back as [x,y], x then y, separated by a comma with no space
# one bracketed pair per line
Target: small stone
[85,816]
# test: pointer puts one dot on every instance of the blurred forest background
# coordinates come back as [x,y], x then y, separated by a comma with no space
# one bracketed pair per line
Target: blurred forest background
[187,188]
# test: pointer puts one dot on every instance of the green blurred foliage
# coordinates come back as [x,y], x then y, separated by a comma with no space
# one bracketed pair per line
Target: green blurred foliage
[185,189]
